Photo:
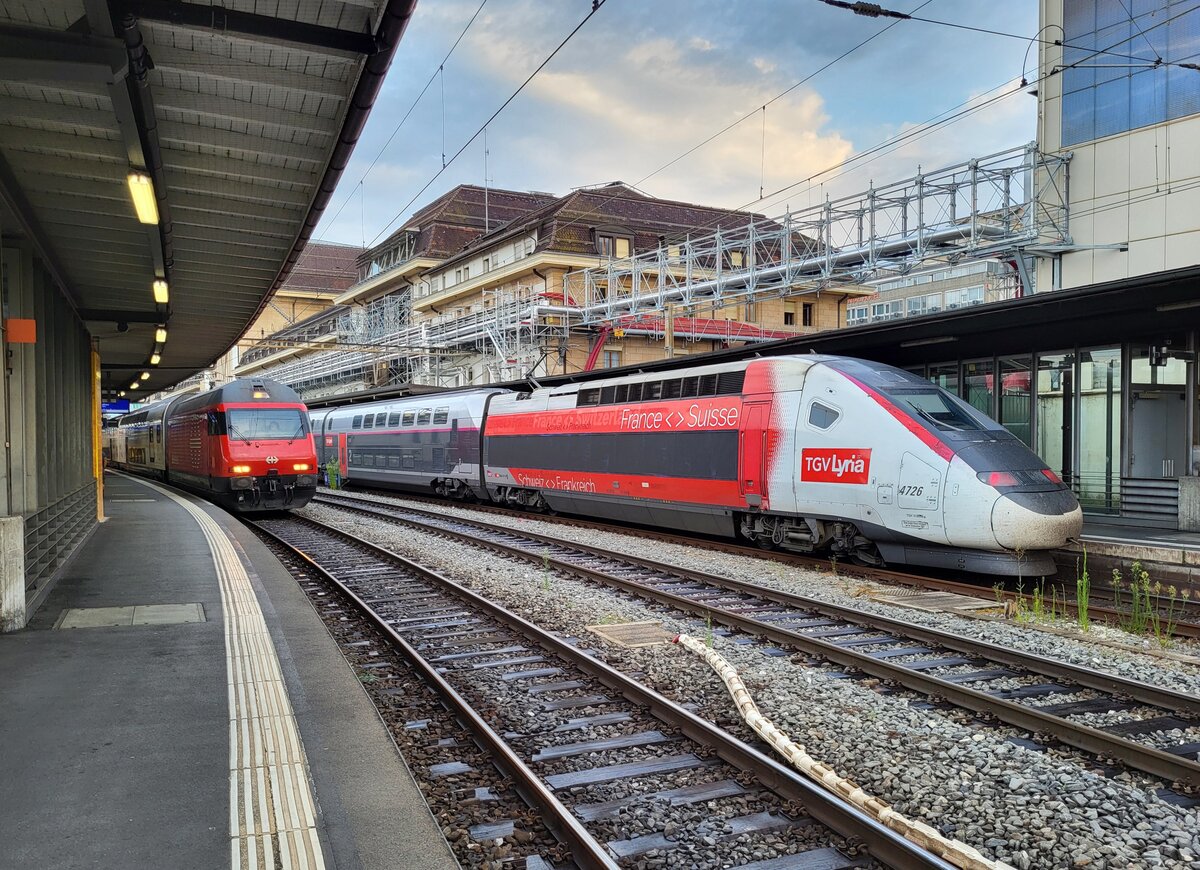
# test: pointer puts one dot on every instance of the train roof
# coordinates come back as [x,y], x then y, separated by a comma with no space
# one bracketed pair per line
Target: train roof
[239,391]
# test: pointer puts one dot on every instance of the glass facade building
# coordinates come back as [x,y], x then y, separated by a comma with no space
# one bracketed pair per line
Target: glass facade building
[1111,82]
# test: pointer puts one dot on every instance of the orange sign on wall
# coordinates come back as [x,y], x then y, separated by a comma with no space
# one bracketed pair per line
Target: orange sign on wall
[20,330]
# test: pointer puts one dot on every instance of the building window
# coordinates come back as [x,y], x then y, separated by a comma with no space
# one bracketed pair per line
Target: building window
[858,314]
[458,276]
[751,311]
[618,247]
[789,318]
[487,264]
[612,359]
[964,297]
[1104,95]
[808,313]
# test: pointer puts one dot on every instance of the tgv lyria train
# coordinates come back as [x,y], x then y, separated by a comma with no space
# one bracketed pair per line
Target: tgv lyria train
[810,453]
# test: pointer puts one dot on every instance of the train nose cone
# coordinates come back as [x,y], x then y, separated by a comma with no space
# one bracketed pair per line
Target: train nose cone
[1036,520]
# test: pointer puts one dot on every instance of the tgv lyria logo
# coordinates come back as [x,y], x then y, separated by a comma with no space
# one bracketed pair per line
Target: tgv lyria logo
[835,465]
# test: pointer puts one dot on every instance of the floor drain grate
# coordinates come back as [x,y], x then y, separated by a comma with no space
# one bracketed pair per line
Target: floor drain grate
[632,634]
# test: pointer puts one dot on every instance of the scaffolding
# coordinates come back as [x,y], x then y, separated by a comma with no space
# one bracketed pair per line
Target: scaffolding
[1011,204]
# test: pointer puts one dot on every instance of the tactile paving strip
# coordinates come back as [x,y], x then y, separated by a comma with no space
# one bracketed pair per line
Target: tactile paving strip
[272,818]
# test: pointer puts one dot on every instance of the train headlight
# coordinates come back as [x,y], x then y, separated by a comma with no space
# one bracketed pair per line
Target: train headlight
[241,482]
[998,479]
[1052,477]
[239,469]
[301,466]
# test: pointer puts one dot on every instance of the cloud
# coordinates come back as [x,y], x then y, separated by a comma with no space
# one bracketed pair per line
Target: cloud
[641,85]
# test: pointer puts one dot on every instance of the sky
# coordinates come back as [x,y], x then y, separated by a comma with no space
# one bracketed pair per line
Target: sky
[644,82]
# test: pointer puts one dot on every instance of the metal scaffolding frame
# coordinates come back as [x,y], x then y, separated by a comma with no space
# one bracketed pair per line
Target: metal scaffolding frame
[1010,204]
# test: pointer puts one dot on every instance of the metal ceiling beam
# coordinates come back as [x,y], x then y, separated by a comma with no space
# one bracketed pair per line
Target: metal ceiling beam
[213,106]
[114,315]
[14,197]
[37,54]
[262,27]
[252,146]
[75,117]
[208,65]
[136,120]
[243,170]
[82,147]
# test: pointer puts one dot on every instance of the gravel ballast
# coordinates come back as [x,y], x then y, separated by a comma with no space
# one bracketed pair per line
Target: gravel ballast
[1030,808]
[854,592]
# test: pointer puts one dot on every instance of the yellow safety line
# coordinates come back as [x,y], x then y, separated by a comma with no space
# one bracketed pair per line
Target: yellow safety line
[272,817]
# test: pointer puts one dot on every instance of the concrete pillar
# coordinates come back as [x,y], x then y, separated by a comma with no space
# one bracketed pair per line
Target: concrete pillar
[12,573]
[1189,504]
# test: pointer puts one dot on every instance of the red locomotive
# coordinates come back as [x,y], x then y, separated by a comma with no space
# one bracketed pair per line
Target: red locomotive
[246,445]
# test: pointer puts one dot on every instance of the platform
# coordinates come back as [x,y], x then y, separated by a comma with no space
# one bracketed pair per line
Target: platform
[1169,556]
[175,670]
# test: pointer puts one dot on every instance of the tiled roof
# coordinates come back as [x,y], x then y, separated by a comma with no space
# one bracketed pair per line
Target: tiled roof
[324,267]
[461,215]
[566,224]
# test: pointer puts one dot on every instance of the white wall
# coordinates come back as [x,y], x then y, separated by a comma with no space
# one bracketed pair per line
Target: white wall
[1140,188]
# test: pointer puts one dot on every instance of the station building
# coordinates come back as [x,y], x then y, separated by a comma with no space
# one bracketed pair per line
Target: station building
[455,285]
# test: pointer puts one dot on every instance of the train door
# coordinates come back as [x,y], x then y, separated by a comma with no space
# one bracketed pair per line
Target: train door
[752,460]
[343,458]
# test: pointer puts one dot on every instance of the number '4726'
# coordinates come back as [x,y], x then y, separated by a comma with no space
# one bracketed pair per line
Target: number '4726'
[912,490]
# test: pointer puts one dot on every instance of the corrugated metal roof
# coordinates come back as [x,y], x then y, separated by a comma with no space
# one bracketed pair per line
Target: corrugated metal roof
[247,113]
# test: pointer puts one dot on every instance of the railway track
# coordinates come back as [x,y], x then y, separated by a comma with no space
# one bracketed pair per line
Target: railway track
[600,757]
[1101,608]
[1030,692]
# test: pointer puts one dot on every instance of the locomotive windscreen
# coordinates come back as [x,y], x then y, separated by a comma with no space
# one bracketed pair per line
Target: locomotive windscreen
[265,424]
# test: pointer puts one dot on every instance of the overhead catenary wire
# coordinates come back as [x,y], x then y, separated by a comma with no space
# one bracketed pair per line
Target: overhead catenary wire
[597,5]
[412,106]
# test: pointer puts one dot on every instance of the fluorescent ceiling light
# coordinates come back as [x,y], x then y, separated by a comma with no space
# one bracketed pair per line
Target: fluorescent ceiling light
[145,376]
[160,335]
[161,292]
[141,188]
[134,385]
[155,359]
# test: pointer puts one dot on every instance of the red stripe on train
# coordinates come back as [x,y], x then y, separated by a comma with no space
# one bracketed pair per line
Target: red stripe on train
[674,415]
[723,493]
[937,445]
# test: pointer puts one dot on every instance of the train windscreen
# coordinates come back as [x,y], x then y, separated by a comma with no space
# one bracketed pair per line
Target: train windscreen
[940,409]
[265,424]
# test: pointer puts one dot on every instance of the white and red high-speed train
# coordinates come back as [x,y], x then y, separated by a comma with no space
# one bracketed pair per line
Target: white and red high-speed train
[811,453]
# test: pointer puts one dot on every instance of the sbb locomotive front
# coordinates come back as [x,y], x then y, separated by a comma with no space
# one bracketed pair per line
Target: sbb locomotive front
[245,445]
[810,453]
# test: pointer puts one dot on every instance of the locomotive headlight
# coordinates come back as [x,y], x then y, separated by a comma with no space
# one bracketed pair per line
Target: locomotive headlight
[998,479]
[239,469]
[300,466]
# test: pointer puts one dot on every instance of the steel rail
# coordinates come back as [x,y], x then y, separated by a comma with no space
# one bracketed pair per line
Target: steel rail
[884,844]
[1189,628]
[1148,759]
[585,849]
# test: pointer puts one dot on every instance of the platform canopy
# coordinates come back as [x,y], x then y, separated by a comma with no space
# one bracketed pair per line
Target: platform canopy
[232,123]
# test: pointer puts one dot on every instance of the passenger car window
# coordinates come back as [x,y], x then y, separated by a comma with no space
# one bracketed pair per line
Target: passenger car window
[369,421]
[408,418]
[822,416]
[422,416]
[357,422]
[393,420]
[441,415]
[381,419]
